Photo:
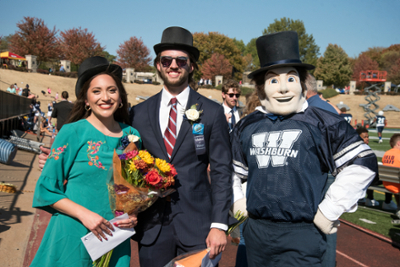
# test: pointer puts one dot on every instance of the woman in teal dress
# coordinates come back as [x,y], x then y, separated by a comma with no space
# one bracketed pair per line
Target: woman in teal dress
[73,184]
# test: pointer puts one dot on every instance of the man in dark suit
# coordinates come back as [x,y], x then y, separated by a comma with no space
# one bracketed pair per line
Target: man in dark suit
[196,215]
[230,95]
[62,110]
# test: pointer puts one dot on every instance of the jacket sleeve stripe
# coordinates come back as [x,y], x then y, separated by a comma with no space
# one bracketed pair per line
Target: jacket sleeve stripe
[351,155]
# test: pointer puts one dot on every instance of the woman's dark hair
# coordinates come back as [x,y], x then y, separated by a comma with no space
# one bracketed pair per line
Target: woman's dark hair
[79,112]
[259,80]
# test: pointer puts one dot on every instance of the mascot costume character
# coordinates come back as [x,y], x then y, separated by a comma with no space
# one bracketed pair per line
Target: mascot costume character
[285,150]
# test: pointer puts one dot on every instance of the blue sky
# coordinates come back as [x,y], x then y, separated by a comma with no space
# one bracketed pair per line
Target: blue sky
[352,24]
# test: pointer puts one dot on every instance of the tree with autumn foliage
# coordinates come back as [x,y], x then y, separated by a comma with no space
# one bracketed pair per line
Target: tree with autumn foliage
[134,54]
[389,57]
[216,65]
[363,63]
[394,73]
[217,43]
[35,38]
[374,53]
[77,44]
[251,49]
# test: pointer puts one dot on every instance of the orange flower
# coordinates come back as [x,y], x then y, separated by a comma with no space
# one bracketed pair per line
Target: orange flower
[56,157]
[90,163]
[140,164]
[96,157]
[168,181]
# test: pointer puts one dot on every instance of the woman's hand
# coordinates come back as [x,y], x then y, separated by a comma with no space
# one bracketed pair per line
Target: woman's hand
[97,225]
[127,223]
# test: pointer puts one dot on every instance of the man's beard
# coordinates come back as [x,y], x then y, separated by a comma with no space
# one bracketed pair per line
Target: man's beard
[176,83]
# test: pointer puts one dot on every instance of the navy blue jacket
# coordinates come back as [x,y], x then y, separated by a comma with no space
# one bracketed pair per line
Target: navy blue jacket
[199,202]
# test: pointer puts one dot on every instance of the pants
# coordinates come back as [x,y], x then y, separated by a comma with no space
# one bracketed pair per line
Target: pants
[241,257]
[329,258]
[283,244]
[165,248]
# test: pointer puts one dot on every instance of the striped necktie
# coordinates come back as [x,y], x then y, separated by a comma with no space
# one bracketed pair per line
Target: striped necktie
[170,132]
[233,119]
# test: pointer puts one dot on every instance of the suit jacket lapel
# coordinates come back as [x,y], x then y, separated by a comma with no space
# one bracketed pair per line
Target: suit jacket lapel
[186,127]
[154,109]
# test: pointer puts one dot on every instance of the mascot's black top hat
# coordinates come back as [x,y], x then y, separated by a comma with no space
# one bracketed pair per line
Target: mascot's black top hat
[278,50]
[93,66]
[177,38]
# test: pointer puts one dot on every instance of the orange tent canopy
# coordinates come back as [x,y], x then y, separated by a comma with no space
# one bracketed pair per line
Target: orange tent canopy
[10,55]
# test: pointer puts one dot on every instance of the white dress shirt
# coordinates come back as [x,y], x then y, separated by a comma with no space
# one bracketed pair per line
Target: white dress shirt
[227,110]
[165,107]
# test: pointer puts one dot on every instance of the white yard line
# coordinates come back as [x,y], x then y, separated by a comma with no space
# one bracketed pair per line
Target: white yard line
[350,258]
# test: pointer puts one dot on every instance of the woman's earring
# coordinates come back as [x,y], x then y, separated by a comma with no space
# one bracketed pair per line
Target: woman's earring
[87,109]
[121,105]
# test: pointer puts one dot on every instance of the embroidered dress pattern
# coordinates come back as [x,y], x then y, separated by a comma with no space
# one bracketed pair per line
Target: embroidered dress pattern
[93,148]
[55,153]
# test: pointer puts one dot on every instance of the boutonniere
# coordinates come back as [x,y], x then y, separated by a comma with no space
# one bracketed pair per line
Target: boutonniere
[127,139]
[192,114]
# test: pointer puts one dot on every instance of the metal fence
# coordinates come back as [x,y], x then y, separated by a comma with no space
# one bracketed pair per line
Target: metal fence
[12,106]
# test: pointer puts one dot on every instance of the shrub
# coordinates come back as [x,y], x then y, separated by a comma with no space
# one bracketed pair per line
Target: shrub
[42,66]
[329,92]
[156,83]
[138,81]
[73,74]
[60,73]
[43,71]
[246,90]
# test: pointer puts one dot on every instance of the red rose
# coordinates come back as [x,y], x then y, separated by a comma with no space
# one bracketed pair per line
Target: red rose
[153,178]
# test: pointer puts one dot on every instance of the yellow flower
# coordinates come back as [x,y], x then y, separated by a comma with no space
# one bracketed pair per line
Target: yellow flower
[146,157]
[132,167]
[162,165]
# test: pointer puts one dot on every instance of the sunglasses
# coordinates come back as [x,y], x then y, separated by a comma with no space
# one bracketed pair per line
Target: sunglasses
[167,61]
[231,95]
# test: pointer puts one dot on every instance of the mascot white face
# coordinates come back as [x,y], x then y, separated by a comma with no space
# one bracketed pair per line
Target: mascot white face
[283,91]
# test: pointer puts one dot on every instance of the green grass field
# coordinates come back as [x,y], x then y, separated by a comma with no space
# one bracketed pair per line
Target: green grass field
[382,218]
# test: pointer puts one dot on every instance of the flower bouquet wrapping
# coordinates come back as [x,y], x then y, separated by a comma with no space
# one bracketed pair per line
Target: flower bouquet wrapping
[190,259]
[137,180]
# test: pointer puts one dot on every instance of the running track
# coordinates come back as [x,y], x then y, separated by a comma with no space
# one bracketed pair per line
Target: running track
[354,247]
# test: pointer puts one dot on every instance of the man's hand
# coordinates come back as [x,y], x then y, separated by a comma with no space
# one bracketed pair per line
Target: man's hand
[324,224]
[43,157]
[228,116]
[216,240]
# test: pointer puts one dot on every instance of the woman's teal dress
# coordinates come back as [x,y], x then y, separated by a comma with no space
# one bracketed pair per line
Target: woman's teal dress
[82,155]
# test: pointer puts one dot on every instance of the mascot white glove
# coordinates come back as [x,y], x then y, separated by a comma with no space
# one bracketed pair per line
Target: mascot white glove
[240,205]
[326,226]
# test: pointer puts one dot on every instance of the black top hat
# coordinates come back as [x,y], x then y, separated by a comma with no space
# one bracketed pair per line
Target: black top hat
[177,38]
[277,50]
[92,66]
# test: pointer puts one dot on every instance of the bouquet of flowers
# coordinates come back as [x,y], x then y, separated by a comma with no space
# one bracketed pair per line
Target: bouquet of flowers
[137,181]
